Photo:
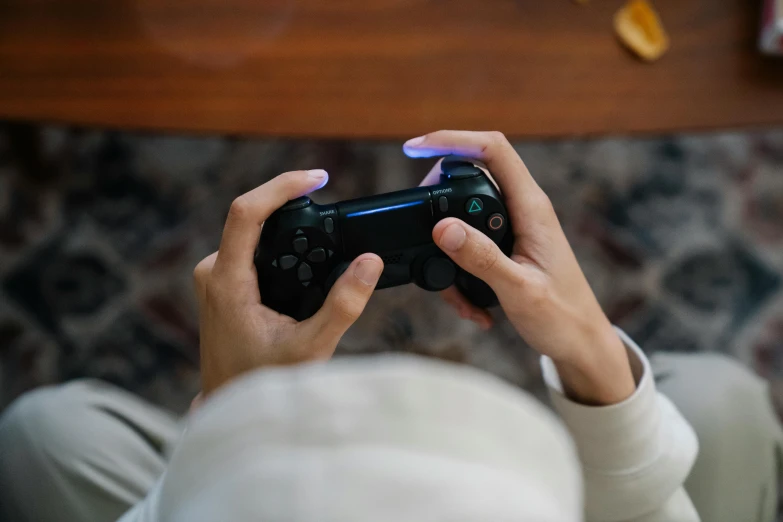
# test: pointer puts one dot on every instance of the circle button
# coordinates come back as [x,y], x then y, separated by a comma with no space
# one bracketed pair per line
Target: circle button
[496,221]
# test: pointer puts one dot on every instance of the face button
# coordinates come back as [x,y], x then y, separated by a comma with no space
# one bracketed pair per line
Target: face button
[329,225]
[317,255]
[474,206]
[443,204]
[304,272]
[287,262]
[496,222]
[300,244]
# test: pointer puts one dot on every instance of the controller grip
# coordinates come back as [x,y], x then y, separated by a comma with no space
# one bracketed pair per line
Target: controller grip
[475,290]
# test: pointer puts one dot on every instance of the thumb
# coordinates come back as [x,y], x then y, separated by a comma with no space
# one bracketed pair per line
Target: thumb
[475,253]
[347,298]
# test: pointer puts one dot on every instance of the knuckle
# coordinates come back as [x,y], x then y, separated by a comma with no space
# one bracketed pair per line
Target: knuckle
[212,291]
[199,273]
[203,270]
[497,138]
[537,291]
[240,208]
[518,280]
[541,206]
[485,256]
[274,334]
[494,143]
[347,307]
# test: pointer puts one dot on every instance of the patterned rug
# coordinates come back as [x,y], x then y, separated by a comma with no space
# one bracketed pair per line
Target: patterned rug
[681,238]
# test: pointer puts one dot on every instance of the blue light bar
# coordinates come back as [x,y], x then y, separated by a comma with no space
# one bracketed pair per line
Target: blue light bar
[384,209]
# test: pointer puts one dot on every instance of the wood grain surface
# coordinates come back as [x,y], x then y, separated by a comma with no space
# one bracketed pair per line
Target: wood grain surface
[380,68]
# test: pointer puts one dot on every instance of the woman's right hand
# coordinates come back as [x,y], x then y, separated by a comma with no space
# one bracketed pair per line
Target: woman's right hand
[541,287]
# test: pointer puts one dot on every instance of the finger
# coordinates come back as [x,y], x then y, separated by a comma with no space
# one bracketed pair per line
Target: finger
[490,147]
[466,309]
[249,211]
[201,274]
[196,403]
[475,253]
[347,298]
[433,176]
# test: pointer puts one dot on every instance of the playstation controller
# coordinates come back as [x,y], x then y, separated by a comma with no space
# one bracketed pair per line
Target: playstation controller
[304,247]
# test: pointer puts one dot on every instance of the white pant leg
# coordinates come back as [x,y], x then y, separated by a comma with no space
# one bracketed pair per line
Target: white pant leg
[83,451]
[735,475]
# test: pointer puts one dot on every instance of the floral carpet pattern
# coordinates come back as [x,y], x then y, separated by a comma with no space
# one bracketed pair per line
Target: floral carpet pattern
[680,236]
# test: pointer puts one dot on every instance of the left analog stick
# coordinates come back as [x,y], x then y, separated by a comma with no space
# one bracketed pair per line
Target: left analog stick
[335,275]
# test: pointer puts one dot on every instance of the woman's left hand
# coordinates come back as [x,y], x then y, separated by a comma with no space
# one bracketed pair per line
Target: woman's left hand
[237,332]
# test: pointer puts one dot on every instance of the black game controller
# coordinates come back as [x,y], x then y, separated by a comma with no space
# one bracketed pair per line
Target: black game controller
[305,247]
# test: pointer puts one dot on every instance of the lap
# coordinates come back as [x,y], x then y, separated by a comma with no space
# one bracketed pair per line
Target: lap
[735,475]
[89,451]
[80,451]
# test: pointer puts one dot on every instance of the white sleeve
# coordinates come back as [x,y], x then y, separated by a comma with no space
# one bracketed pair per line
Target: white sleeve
[635,454]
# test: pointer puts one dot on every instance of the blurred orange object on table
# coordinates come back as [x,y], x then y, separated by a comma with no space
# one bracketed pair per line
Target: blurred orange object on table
[639,28]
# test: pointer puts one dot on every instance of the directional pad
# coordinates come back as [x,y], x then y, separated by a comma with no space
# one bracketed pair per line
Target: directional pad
[287,262]
[317,255]
[304,272]
[300,244]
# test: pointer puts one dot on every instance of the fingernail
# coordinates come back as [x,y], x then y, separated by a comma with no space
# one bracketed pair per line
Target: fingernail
[368,271]
[317,174]
[452,238]
[415,142]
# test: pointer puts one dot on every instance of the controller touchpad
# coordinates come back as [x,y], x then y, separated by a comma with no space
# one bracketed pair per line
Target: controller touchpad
[386,227]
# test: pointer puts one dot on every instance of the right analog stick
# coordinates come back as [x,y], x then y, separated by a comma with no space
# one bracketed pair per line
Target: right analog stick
[439,273]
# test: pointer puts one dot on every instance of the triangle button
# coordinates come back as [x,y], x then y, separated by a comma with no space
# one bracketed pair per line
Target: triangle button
[299,231]
[474,206]
[305,283]
[274,263]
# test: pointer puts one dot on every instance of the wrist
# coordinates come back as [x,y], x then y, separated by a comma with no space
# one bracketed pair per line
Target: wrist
[602,374]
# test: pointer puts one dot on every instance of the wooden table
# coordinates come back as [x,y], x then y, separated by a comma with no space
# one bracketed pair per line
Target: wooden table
[380,68]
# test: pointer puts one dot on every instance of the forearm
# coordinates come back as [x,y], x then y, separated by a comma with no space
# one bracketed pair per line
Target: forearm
[635,454]
[602,375]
